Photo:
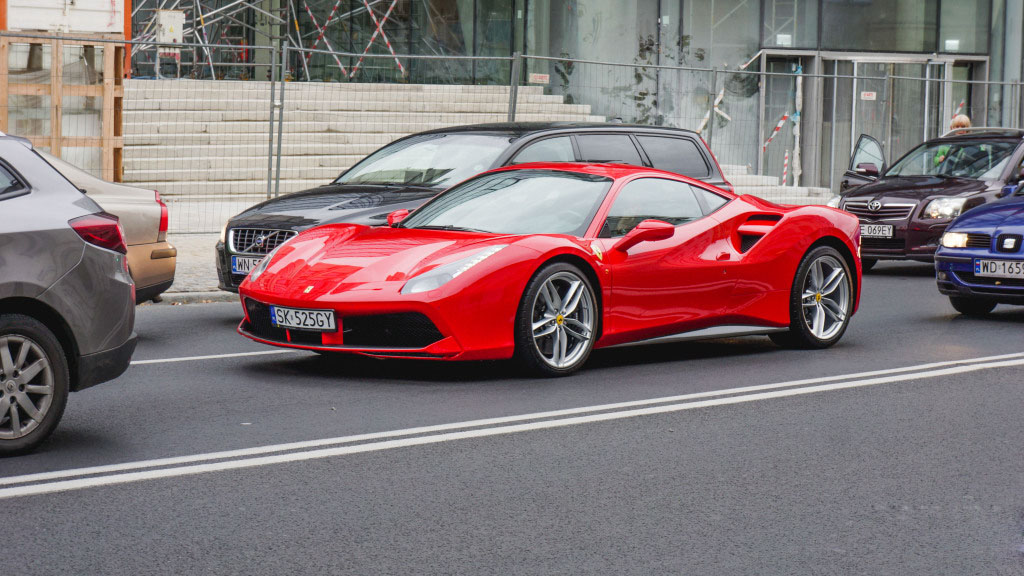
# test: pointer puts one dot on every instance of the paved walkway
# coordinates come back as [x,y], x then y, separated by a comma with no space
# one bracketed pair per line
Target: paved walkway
[197,265]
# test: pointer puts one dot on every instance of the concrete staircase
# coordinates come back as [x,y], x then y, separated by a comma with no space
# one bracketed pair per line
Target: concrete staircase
[210,139]
[769,188]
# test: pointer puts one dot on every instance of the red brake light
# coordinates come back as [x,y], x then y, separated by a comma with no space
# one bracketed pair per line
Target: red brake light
[163,217]
[100,229]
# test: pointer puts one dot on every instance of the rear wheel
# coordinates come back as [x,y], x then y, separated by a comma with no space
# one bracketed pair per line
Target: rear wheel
[557,321]
[33,383]
[867,263]
[821,301]
[972,306]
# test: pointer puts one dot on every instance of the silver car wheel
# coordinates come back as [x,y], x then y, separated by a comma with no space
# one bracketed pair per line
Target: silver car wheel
[563,320]
[26,386]
[826,297]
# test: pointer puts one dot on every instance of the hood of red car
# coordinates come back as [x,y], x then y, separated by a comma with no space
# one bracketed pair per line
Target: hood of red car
[345,257]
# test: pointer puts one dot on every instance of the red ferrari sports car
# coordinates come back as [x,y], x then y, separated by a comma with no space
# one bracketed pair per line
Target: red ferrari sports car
[545,262]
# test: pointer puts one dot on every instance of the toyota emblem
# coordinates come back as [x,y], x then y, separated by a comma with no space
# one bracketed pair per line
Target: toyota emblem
[874,205]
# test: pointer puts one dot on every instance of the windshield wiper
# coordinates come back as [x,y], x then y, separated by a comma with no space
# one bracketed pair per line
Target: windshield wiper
[450,228]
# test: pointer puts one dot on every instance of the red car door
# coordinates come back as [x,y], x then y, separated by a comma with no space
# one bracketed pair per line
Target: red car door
[664,286]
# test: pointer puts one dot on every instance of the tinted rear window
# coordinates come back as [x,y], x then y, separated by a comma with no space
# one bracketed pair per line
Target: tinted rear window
[617,148]
[679,155]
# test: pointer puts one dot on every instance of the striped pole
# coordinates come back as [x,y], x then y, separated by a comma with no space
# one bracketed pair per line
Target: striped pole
[775,131]
[785,169]
[380,31]
[321,36]
[959,109]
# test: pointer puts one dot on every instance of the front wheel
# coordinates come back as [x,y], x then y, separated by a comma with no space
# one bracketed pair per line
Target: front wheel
[33,383]
[972,306]
[557,320]
[821,301]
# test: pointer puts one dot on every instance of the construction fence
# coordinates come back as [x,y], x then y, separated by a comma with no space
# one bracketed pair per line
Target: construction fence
[214,148]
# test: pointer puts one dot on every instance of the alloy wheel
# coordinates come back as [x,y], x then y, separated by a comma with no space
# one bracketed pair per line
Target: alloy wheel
[826,297]
[563,320]
[26,386]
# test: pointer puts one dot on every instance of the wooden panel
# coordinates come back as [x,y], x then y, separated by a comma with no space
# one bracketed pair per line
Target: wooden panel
[107,121]
[4,46]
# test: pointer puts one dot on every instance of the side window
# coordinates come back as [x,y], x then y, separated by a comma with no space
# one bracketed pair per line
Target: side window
[712,200]
[608,148]
[9,184]
[650,199]
[548,150]
[679,155]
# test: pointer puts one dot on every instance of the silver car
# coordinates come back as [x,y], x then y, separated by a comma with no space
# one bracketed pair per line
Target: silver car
[67,301]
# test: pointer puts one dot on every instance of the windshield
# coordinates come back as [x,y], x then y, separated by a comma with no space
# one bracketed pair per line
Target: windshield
[976,160]
[516,202]
[429,160]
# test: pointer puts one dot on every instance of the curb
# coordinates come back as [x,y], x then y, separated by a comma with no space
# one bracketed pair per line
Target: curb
[176,298]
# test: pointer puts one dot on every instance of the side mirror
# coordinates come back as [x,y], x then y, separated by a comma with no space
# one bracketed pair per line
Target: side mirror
[397,216]
[1008,190]
[646,231]
[867,169]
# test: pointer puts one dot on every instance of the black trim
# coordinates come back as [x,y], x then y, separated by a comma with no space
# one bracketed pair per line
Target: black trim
[100,367]
[150,292]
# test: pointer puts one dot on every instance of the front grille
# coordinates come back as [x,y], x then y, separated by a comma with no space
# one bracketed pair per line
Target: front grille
[970,278]
[259,322]
[882,243]
[256,241]
[975,240]
[401,330]
[886,212]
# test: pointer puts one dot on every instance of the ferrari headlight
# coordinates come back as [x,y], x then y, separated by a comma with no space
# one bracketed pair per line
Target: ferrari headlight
[265,263]
[944,208]
[954,240]
[444,274]
[833,202]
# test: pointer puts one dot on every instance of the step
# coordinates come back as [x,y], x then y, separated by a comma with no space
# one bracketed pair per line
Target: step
[419,124]
[752,180]
[249,149]
[255,171]
[193,164]
[296,112]
[307,139]
[255,86]
[255,189]
[734,169]
[197,120]
[340,101]
[768,191]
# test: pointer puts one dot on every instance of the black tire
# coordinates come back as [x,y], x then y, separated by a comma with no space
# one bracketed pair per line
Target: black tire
[972,306]
[800,335]
[867,263]
[527,353]
[30,329]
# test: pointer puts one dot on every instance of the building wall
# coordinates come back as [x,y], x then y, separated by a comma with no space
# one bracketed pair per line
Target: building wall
[83,16]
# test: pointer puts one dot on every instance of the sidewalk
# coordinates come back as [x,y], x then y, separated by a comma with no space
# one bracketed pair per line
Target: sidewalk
[195,279]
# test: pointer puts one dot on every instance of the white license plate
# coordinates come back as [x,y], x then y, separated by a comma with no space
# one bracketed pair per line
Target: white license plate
[876,230]
[243,264]
[999,268]
[314,320]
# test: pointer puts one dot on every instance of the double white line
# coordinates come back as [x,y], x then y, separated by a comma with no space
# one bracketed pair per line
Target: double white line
[74,479]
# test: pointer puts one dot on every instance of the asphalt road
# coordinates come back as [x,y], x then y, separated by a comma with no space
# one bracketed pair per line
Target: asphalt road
[882,455]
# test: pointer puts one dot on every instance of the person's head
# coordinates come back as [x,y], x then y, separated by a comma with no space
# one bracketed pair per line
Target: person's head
[960,121]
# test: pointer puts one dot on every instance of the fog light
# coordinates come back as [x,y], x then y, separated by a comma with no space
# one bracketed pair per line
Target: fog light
[942,276]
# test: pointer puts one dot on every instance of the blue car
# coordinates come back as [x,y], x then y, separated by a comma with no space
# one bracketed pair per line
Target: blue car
[980,262]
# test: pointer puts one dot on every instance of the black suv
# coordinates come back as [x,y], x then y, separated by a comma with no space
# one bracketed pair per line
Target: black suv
[411,170]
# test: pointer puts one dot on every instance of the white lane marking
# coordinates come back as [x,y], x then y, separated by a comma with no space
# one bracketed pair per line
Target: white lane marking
[212,356]
[123,478]
[306,444]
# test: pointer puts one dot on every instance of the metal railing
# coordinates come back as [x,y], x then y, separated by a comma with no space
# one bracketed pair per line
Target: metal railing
[215,148]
